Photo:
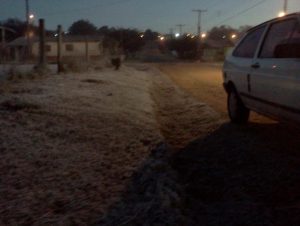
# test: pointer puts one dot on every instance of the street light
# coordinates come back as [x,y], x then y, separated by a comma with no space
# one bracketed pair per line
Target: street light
[203,35]
[281,14]
[233,36]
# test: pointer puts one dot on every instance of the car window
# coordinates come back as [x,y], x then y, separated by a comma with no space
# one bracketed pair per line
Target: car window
[249,44]
[292,49]
[279,38]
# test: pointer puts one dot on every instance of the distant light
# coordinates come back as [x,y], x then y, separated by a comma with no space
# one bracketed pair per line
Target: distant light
[31,16]
[224,36]
[55,35]
[30,34]
[233,36]
[281,14]
[142,36]
[188,35]
[162,38]
[203,35]
[193,36]
[177,35]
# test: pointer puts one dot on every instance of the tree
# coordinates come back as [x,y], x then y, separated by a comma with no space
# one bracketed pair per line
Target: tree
[243,29]
[83,27]
[128,39]
[104,30]
[221,33]
[15,24]
[150,35]
[185,46]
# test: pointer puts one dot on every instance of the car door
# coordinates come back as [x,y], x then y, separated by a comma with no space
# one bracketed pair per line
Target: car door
[238,65]
[275,79]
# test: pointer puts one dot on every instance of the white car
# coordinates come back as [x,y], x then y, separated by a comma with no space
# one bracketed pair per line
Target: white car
[263,71]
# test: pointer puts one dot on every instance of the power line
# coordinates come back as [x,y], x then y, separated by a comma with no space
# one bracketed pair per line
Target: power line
[225,12]
[241,12]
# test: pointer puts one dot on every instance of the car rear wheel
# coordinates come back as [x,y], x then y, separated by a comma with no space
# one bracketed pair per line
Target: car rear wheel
[237,112]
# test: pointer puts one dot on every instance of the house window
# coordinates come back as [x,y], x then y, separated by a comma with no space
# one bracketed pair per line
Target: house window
[48,48]
[69,47]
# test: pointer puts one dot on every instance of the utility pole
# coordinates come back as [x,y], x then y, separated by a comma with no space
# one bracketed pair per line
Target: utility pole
[180,26]
[59,50]
[42,60]
[199,12]
[285,5]
[172,32]
[27,27]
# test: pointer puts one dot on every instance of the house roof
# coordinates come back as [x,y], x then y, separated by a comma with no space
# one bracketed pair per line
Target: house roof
[22,41]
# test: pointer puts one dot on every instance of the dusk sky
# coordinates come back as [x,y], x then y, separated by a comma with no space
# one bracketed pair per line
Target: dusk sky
[159,15]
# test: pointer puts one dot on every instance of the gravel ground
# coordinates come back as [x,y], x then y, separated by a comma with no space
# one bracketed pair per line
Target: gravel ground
[82,149]
[237,175]
[70,144]
[131,148]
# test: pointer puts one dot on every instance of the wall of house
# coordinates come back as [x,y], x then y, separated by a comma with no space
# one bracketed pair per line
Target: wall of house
[70,49]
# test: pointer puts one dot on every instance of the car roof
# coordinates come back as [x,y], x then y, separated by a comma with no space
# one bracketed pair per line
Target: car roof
[296,14]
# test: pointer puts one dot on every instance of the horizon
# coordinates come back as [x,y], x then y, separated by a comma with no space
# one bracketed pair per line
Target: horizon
[154,16]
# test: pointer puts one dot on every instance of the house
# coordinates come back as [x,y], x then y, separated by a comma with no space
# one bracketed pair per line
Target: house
[73,46]
[216,50]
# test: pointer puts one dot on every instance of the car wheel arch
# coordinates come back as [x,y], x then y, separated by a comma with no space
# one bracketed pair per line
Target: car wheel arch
[230,87]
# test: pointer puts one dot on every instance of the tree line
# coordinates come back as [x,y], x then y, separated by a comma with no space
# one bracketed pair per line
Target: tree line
[130,40]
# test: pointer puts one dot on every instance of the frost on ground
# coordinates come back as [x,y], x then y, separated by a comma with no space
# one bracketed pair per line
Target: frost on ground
[76,149]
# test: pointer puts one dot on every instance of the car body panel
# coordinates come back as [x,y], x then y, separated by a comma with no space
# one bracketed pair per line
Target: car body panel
[270,86]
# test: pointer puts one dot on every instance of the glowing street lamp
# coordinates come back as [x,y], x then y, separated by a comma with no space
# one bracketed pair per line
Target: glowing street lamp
[234,36]
[203,35]
[281,14]
[162,38]
[177,35]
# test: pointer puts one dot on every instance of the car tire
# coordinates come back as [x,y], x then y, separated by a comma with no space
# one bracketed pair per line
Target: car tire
[237,111]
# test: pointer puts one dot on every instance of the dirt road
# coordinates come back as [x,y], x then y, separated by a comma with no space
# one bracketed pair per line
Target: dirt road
[237,175]
[94,149]
[204,82]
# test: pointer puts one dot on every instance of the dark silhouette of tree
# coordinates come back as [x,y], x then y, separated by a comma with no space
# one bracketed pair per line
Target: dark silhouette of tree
[243,29]
[128,39]
[104,30]
[83,27]
[221,33]
[186,47]
[150,35]
[15,24]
